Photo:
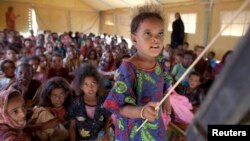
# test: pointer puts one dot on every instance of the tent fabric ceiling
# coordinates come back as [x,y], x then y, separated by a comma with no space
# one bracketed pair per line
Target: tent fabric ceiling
[112,4]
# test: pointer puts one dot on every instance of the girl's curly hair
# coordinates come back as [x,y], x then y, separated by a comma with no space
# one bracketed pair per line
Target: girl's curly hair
[86,71]
[144,12]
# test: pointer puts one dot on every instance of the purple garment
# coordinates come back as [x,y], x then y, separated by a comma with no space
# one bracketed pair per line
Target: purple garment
[137,87]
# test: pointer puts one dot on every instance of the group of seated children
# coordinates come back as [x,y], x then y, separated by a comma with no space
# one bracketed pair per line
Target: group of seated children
[60,114]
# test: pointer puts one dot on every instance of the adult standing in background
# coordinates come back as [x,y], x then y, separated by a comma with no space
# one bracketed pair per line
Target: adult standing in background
[177,36]
[10,18]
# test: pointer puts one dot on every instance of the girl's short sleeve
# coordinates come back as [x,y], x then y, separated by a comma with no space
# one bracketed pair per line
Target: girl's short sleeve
[71,112]
[122,92]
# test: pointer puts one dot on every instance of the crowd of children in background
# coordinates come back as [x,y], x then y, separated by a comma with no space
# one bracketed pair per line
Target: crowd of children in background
[60,78]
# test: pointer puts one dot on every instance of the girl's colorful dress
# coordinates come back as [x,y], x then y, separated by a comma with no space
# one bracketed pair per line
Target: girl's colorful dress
[137,87]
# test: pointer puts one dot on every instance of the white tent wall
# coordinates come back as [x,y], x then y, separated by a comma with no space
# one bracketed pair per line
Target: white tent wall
[223,43]
[116,21]
[86,16]
[121,19]
[52,19]
[56,15]
[60,20]
[87,22]
[21,9]
[198,8]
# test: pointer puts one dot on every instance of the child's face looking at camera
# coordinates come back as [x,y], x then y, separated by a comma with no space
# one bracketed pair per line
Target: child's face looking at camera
[194,81]
[16,110]
[9,70]
[56,62]
[35,64]
[49,47]
[39,52]
[89,86]
[43,61]
[149,36]
[57,97]
[11,55]
[109,57]
[187,60]
[92,55]
[71,53]
[23,75]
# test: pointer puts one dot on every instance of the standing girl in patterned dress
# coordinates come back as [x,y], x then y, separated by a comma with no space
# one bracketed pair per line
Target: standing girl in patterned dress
[142,81]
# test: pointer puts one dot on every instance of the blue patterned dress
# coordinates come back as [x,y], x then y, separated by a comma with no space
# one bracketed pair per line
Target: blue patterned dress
[137,87]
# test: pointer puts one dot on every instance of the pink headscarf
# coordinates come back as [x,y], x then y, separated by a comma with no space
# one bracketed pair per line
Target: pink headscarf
[4,117]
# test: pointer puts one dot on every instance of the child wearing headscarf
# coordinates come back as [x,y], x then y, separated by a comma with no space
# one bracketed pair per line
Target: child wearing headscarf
[12,116]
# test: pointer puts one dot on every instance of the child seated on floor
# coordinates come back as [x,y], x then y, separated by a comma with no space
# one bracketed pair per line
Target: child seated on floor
[87,117]
[193,91]
[12,116]
[55,97]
